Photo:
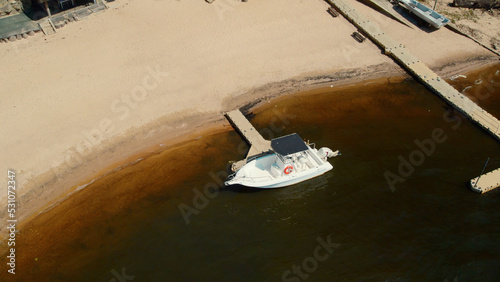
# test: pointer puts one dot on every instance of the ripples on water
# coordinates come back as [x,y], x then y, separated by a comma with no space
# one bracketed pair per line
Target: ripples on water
[432,227]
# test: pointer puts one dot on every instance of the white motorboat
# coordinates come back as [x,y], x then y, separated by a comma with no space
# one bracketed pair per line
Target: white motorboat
[425,13]
[291,161]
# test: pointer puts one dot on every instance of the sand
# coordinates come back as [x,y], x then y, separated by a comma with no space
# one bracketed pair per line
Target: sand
[146,74]
[479,23]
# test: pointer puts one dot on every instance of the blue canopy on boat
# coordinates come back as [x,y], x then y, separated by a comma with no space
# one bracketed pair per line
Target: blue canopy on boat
[289,144]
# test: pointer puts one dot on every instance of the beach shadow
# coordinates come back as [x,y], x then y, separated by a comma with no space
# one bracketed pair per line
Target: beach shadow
[424,26]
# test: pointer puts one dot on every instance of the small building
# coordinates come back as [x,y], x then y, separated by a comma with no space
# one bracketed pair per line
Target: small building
[41,8]
[37,9]
[21,18]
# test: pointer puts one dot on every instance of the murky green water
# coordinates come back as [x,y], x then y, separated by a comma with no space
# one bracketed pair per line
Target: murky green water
[430,227]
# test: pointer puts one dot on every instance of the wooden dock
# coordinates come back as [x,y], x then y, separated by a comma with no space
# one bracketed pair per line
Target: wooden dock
[258,145]
[419,70]
[486,182]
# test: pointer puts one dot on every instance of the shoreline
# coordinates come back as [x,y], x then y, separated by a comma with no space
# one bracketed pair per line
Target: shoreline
[133,217]
[122,89]
[131,149]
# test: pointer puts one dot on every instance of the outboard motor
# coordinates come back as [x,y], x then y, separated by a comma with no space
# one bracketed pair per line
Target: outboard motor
[327,153]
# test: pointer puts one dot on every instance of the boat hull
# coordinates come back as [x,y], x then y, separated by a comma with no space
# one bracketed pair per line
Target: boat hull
[425,13]
[292,180]
[268,182]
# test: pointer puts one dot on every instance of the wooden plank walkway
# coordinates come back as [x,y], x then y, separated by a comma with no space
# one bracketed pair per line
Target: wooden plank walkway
[258,145]
[419,70]
[487,182]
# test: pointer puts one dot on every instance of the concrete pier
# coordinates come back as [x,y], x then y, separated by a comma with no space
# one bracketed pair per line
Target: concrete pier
[419,70]
[258,145]
[486,182]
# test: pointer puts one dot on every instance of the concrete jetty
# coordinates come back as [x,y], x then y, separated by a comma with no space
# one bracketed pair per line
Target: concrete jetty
[258,145]
[486,182]
[419,70]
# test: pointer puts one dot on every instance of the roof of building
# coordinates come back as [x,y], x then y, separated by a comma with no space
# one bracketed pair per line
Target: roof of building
[288,144]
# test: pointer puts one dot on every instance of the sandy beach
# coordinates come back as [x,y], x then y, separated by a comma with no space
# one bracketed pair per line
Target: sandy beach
[144,75]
